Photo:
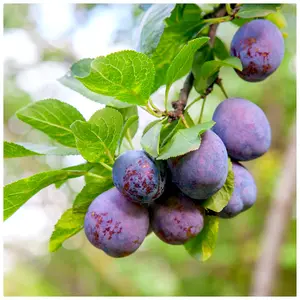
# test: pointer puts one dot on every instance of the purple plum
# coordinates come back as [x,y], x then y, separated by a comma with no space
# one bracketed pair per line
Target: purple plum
[176,219]
[243,127]
[201,173]
[139,177]
[244,193]
[260,47]
[116,225]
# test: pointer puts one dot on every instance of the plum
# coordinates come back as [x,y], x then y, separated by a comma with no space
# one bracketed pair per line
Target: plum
[139,177]
[244,193]
[260,47]
[243,127]
[116,225]
[201,173]
[176,218]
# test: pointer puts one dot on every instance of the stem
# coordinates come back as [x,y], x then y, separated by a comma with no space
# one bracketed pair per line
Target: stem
[193,102]
[228,9]
[202,109]
[153,105]
[150,110]
[217,20]
[184,121]
[105,166]
[166,99]
[220,84]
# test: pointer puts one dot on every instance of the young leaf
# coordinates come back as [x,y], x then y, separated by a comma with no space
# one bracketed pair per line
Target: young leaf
[256,10]
[183,61]
[150,125]
[68,225]
[184,141]
[12,150]
[152,26]
[221,198]
[126,128]
[220,50]
[184,12]
[202,245]
[72,83]
[206,75]
[150,141]
[127,113]
[53,117]
[125,75]
[97,139]
[88,194]
[19,192]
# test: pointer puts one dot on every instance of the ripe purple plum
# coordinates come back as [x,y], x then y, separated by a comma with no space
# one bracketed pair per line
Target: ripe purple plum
[201,173]
[176,219]
[139,177]
[243,127]
[260,47]
[244,193]
[116,225]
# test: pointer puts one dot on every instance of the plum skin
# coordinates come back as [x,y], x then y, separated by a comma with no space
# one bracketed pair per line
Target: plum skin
[260,46]
[244,193]
[176,219]
[139,177]
[243,127]
[201,173]
[116,225]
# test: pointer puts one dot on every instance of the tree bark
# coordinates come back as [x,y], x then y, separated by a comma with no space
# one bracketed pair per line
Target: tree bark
[266,271]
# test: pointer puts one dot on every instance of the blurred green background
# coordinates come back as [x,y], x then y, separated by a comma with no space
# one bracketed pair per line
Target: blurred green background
[41,41]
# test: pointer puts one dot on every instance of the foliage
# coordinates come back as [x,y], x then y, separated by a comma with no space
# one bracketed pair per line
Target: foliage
[174,41]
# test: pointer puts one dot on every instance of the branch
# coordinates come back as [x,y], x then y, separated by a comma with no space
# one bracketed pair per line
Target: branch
[281,206]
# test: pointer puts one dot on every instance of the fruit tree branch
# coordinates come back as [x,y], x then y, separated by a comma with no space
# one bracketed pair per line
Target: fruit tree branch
[277,223]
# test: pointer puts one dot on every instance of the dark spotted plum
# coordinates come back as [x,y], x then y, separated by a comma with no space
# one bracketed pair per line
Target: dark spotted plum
[201,173]
[244,193]
[116,225]
[243,127]
[260,47]
[139,177]
[176,219]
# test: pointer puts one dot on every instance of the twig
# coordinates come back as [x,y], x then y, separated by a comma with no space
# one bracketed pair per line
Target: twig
[264,276]
[220,84]
[180,104]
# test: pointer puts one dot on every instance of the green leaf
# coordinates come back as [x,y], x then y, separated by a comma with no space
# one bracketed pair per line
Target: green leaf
[183,61]
[68,225]
[125,75]
[88,194]
[184,141]
[150,125]
[19,192]
[52,117]
[184,12]
[152,26]
[99,175]
[202,246]
[172,40]
[256,10]
[220,50]
[150,141]
[278,19]
[12,150]
[221,198]
[126,128]
[72,83]
[127,113]
[188,119]
[206,75]
[97,139]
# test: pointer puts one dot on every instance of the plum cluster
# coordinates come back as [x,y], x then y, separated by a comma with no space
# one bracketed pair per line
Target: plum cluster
[166,197]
